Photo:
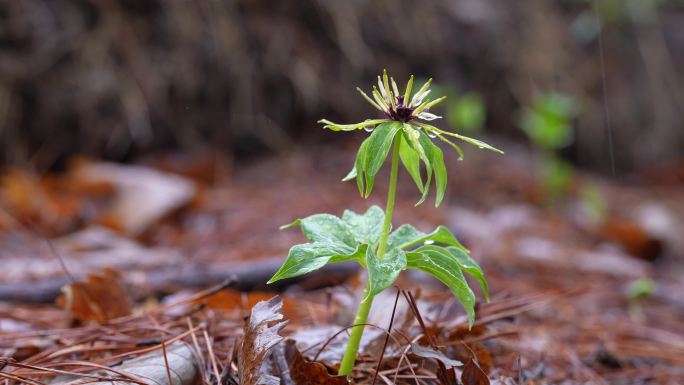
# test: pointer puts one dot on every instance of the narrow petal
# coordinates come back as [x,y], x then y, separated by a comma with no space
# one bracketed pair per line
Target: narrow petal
[395,89]
[407,94]
[383,92]
[435,102]
[420,108]
[385,82]
[350,127]
[428,116]
[378,98]
[420,91]
[374,104]
[418,98]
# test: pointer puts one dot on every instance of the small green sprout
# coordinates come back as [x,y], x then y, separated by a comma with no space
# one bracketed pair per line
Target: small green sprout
[548,124]
[367,238]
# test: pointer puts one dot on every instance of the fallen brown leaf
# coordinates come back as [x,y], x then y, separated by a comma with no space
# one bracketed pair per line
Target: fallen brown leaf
[100,298]
[473,374]
[305,372]
[261,334]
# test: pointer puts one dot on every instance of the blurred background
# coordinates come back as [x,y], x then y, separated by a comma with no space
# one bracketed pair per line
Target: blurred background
[169,139]
[597,82]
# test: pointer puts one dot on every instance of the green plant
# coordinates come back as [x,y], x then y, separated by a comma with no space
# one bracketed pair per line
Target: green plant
[548,124]
[367,238]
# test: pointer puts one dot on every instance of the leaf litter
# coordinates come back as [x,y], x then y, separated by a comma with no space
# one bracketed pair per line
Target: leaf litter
[558,312]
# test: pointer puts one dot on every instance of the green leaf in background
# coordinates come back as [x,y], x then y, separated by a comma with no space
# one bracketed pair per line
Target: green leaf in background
[467,112]
[305,258]
[383,271]
[471,267]
[365,228]
[440,263]
[407,236]
[548,122]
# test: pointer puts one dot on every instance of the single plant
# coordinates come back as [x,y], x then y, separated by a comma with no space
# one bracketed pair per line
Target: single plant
[367,238]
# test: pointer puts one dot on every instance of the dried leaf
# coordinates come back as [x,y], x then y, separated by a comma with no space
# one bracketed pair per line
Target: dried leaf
[424,352]
[261,334]
[143,195]
[473,374]
[305,372]
[100,298]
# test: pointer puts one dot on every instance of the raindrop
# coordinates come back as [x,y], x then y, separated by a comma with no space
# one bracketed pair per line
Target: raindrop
[431,134]
[429,242]
[369,128]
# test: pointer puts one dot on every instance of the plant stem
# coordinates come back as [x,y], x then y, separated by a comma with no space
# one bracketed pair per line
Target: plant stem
[391,194]
[347,364]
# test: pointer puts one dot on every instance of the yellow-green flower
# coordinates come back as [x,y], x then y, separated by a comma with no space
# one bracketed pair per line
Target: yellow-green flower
[404,113]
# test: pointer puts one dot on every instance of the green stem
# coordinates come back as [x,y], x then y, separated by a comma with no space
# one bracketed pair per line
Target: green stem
[347,364]
[391,194]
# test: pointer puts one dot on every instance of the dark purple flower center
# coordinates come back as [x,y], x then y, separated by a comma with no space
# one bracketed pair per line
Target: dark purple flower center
[401,112]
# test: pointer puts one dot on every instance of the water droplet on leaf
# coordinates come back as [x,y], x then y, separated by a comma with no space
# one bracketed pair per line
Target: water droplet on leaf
[369,128]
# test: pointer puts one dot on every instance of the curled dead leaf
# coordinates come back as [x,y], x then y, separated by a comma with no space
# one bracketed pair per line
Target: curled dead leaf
[260,335]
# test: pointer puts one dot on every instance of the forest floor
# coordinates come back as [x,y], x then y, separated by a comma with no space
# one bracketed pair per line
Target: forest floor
[166,259]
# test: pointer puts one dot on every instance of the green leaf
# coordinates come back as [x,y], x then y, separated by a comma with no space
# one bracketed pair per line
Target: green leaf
[471,267]
[359,166]
[378,147]
[440,174]
[407,236]
[439,263]
[411,161]
[382,272]
[366,228]
[434,153]
[412,135]
[308,257]
[467,112]
[325,228]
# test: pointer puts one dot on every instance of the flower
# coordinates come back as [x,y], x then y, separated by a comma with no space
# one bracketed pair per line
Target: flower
[395,107]
[404,113]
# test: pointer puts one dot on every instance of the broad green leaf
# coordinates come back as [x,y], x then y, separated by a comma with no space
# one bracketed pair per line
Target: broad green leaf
[434,153]
[407,236]
[411,161]
[439,263]
[370,182]
[471,267]
[351,175]
[440,174]
[365,228]
[308,257]
[403,235]
[379,143]
[359,166]
[382,272]
[325,228]
[412,135]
